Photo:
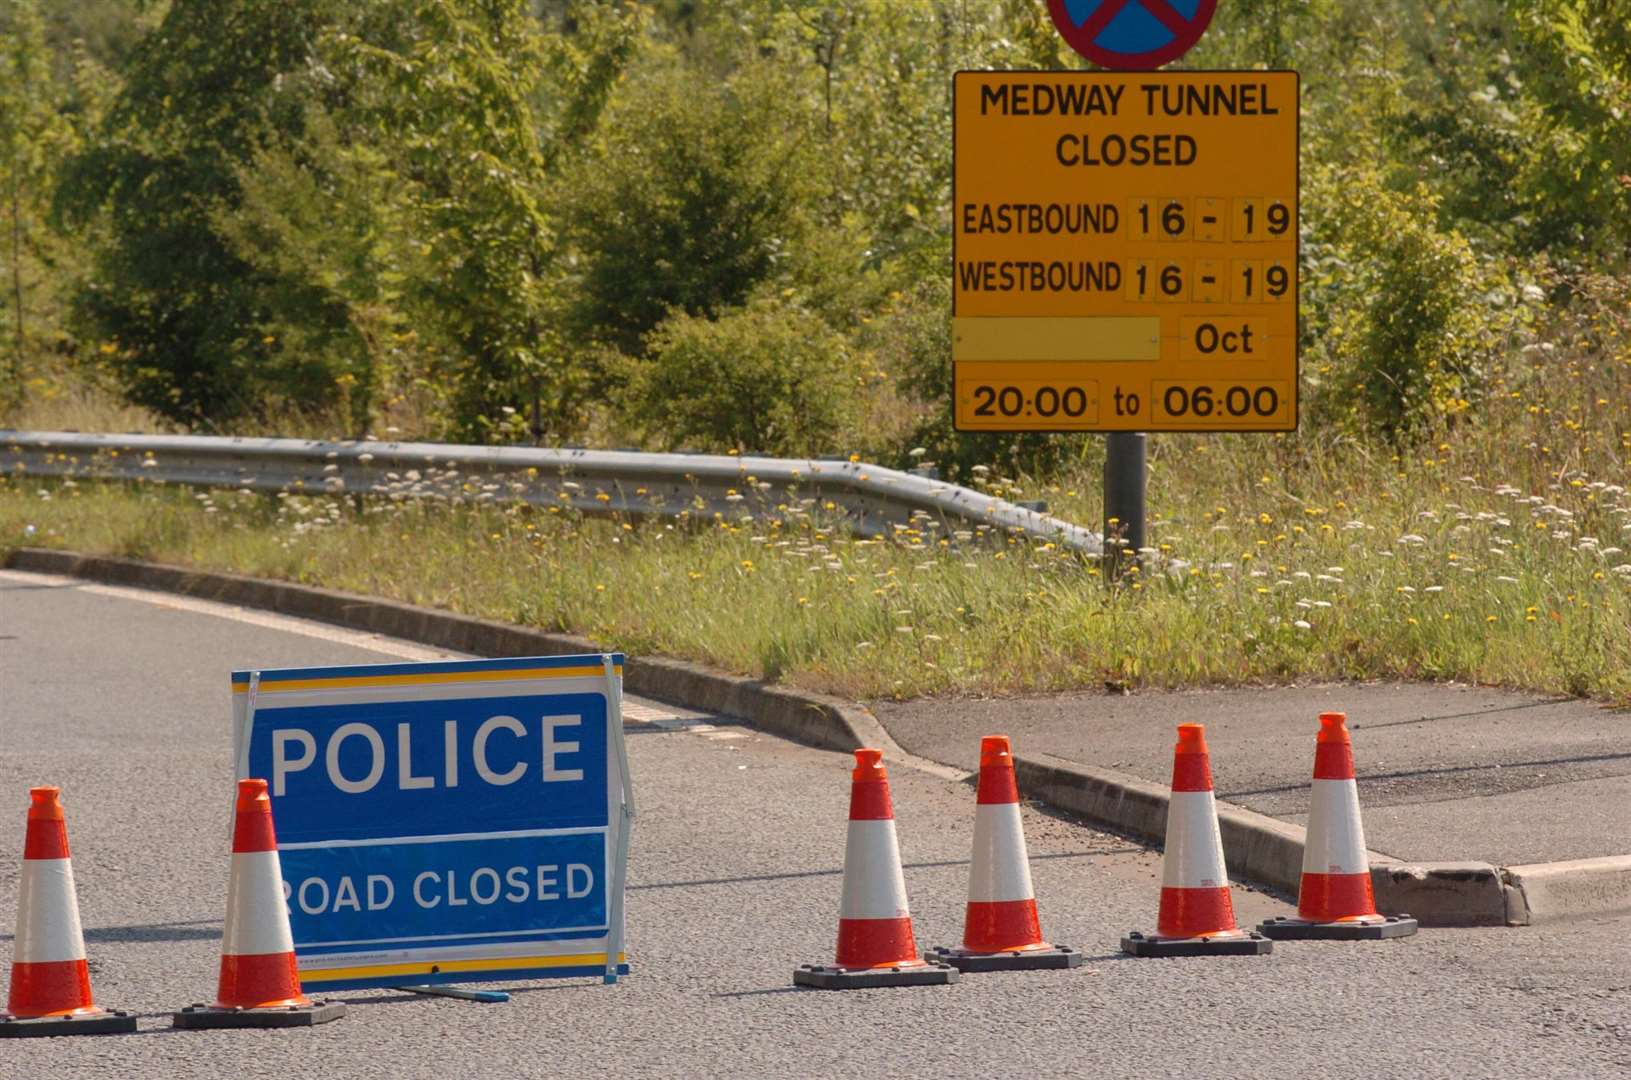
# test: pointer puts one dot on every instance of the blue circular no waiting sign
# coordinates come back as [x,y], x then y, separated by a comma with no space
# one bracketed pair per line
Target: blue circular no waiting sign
[1132,34]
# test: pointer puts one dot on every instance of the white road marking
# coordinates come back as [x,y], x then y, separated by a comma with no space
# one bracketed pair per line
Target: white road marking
[357,639]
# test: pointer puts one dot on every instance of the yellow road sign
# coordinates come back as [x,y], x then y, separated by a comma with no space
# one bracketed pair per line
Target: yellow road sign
[1125,251]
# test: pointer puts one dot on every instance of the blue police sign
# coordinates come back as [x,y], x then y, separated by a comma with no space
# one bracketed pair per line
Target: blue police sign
[1132,35]
[448,821]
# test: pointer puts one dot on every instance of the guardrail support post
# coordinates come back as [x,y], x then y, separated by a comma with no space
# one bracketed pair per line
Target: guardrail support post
[1124,491]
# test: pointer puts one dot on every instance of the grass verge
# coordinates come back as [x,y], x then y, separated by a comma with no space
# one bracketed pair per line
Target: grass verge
[1301,562]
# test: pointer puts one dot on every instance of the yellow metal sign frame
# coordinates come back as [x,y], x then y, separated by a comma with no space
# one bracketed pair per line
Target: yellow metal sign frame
[1125,251]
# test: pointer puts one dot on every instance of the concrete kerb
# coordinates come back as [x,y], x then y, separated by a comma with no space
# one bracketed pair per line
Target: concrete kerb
[1259,848]
[1269,851]
[1539,892]
[1443,893]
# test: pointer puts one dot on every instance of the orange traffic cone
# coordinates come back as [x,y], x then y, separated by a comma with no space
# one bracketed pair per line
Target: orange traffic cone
[875,943]
[259,985]
[1336,899]
[1001,931]
[1197,918]
[50,982]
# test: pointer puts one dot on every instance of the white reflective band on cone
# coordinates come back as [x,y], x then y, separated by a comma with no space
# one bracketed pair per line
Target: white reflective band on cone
[48,928]
[1194,858]
[1336,839]
[257,916]
[1001,871]
[873,885]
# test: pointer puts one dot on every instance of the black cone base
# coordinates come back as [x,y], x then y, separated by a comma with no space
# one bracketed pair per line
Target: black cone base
[102,1022]
[1247,945]
[837,978]
[1284,929]
[199,1017]
[1054,957]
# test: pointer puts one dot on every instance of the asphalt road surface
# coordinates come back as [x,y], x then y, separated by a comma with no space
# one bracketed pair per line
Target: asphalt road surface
[1446,773]
[122,701]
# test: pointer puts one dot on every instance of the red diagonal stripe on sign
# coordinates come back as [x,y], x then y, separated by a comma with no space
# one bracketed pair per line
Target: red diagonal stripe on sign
[1096,22]
[1170,18]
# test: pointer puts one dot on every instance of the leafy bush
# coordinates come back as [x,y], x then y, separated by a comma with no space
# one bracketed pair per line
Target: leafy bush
[1575,175]
[692,199]
[1408,319]
[763,378]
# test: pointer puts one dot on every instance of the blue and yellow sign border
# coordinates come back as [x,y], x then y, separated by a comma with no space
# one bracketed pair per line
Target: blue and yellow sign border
[568,957]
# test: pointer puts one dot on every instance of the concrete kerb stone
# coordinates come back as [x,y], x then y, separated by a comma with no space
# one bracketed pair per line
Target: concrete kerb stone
[812,719]
[1442,893]
[1259,848]
[1578,888]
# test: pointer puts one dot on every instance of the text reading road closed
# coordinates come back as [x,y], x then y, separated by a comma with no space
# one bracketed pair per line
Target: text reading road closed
[379,892]
[1093,198]
[498,762]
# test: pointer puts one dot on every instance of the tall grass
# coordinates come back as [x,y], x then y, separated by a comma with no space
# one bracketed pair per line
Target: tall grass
[1413,574]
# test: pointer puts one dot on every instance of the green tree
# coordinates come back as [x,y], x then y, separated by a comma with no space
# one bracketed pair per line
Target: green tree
[1411,346]
[204,91]
[694,194]
[319,221]
[33,134]
[340,180]
[102,31]
[446,89]
[449,122]
[1575,172]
